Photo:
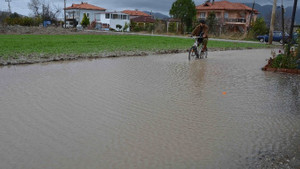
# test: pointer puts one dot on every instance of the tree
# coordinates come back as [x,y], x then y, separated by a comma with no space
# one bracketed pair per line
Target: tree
[259,27]
[211,22]
[44,10]
[34,6]
[185,10]
[85,20]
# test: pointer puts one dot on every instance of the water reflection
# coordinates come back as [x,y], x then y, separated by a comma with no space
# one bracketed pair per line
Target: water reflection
[148,112]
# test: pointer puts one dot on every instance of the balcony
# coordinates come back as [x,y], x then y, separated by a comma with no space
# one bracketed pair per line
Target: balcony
[235,20]
[70,17]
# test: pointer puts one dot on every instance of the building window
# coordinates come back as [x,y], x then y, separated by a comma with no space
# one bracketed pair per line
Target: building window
[202,15]
[124,17]
[87,15]
[226,15]
[115,16]
[107,16]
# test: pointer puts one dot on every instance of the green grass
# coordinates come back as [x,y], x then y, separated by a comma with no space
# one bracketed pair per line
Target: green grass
[16,45]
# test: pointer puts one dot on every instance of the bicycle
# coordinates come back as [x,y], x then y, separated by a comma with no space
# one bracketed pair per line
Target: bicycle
[195,51]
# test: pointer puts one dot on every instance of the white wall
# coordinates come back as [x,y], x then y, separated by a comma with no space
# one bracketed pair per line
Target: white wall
[79,14]
[101,18]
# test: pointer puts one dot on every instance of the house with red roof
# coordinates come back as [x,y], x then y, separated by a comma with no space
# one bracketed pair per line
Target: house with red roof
[139,18]
[231,16]
[104,20]
[76,11]
[136,13]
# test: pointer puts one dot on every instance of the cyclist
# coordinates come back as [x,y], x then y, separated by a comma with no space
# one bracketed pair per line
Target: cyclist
[202,28]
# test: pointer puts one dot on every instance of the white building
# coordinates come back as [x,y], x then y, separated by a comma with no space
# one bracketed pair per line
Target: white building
[76,11]
[106,20]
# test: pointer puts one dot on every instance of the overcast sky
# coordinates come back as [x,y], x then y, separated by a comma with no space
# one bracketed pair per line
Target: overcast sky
[162,6]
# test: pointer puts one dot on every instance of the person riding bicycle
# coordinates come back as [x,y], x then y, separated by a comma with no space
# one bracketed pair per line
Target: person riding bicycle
[201,29]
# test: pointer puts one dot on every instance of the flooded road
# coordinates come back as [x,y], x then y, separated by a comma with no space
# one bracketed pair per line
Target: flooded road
[149,112]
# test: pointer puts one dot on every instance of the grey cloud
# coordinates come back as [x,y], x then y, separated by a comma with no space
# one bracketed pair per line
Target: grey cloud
[162,6]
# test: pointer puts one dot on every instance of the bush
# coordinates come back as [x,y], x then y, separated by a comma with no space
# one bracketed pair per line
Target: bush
[25,21]
[173,27]
[85,20]
[149,27]
[92,25]
[259,27]
[282,61]
[126,26]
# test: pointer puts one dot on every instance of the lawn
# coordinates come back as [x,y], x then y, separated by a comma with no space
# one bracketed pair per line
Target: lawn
[16,45]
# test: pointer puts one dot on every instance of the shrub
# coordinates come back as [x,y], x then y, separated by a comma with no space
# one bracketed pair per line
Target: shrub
[85,20]
[92,25]
[259,27]
[149,27]
[25,21]
[282,61]
[126,26]
[173,27]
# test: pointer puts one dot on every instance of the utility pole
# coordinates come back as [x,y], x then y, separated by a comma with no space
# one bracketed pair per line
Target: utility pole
[272,22]
[292,25]
[9,8]
[65,16]
[282,20]
[251,15]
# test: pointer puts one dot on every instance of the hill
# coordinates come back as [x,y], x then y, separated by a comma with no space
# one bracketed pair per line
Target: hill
[157,15]
[266,10]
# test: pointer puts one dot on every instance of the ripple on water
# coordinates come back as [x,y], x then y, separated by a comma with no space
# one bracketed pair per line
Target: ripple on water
[150,112]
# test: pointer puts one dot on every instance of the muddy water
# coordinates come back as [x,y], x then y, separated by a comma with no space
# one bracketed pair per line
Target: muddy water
[148,112]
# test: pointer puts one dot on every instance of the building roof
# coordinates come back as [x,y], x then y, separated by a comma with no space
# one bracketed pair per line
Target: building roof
[85,5]
[224,5]
[135,13]
[144,19]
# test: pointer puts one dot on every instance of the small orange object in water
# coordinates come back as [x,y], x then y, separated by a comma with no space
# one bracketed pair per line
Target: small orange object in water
[224,93]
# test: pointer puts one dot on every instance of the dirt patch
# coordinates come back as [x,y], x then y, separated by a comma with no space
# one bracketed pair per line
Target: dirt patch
[35,30]
[42,58]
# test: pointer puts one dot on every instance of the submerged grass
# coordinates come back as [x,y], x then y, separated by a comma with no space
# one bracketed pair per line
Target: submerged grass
[13,46]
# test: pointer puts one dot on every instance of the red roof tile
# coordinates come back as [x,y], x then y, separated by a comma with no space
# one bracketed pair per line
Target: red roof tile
[85,5]
[224,5]
[135,13]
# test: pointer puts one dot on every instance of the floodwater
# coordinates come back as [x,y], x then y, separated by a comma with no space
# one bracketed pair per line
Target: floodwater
[153,112]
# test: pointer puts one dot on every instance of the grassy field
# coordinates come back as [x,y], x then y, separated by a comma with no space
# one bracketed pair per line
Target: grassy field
[17,45]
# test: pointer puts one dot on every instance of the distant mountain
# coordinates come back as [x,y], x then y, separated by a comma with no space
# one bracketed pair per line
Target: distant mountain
[265,12]
[289,11]
[157,15]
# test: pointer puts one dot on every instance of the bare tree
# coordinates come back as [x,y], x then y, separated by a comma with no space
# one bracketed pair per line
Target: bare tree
[44,10]
[34,6]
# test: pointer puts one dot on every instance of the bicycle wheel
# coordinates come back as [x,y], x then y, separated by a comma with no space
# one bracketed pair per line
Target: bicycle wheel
[203,55]
[192,53]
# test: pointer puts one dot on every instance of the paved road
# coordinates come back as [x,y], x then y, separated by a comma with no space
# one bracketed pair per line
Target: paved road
[145,34]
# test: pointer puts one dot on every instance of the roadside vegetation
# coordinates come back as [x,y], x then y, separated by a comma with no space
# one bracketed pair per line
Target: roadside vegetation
[288,59]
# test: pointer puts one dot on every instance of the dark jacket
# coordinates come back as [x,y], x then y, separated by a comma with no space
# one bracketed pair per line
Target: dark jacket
[199,29]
